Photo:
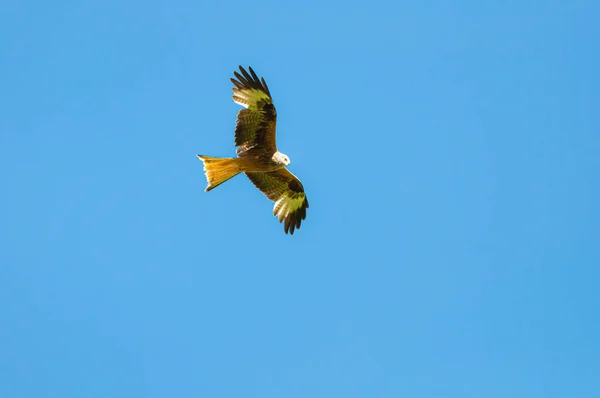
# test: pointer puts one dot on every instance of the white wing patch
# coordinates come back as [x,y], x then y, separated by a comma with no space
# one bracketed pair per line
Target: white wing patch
[286,205]
[249,98]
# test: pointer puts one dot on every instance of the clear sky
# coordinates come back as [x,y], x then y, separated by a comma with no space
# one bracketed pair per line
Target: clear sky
[449,151]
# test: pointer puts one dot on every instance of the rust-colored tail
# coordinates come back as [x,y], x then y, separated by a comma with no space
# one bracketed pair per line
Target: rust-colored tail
[219,170]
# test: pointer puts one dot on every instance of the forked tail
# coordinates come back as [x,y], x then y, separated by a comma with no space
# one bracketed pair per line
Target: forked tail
[219,170]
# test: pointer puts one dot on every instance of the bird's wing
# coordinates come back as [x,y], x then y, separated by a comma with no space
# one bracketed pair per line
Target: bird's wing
[255,126]
[283,188]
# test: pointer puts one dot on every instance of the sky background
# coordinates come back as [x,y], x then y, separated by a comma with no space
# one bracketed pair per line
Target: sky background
[449,151]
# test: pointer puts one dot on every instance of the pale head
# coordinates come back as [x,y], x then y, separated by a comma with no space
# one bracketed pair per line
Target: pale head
[281,158]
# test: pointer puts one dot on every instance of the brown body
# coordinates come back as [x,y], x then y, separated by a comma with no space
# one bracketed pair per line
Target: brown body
[219,170]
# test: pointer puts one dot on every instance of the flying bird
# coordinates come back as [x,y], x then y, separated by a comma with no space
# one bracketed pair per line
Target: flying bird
[257,154]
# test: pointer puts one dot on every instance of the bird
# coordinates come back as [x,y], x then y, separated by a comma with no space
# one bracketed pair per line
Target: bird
[257,154]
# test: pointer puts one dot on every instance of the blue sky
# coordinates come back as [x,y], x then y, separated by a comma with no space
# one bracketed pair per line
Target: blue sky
[449,151]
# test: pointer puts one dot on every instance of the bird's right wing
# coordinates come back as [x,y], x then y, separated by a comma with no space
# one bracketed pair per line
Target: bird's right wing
[255,125]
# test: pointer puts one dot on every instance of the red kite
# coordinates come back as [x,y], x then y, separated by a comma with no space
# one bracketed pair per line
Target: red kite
[257,154]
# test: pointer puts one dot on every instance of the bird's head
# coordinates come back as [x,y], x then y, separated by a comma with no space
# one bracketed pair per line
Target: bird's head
[281,158]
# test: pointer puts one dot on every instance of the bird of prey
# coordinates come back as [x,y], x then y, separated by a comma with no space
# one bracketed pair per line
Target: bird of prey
[257,154]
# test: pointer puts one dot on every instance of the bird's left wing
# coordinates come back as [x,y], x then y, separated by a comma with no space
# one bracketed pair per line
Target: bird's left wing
[283,188]
[255,125]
